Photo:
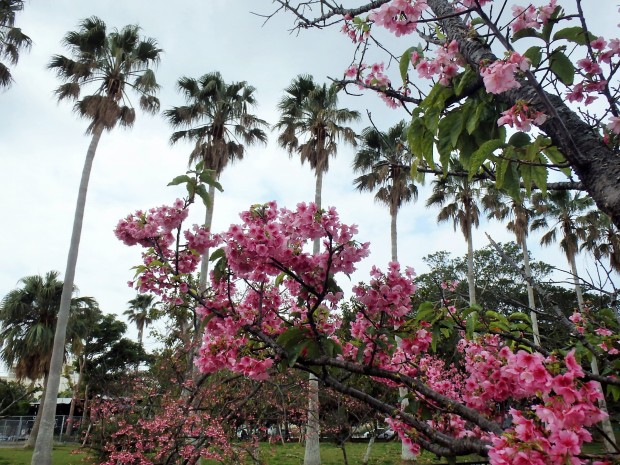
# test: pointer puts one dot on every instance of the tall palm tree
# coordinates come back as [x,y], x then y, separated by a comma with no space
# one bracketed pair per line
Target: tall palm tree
[217,119]
[503,207]
[113,63]
[12,39]
[311,125]
[142,312]
[383,161]
[28,317]
[566,212]
[457,198]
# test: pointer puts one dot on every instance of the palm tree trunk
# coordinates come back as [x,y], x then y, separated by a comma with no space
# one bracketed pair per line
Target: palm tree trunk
[34,432]
[602,403]
[406,454]
[394,235]
[43,448]
[204,265]
[470,265]
[312,453]
[531,302]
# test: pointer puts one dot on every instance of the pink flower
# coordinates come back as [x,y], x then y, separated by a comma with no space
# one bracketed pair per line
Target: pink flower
[614,124]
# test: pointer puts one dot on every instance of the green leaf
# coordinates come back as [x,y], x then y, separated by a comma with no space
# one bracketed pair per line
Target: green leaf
[534,54]
[472,122]
[539,176]
[426,310]
[191,188]
[219,253]
[519,139]
[279,279]
[519,316]
[527,32]
[464,80]
[501,166]
[482,154]
[450,128]
[403,65]
[291,337]
[574,34]
[180,179]
[562,67]
[201,190]
[470,328]
[207,177]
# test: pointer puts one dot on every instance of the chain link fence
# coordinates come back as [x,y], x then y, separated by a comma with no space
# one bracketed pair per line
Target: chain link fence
[14,429]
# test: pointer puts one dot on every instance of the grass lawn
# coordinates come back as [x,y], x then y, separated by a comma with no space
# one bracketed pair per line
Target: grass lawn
[383,453]
[20,456]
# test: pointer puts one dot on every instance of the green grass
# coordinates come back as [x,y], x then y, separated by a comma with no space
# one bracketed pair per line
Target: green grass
[383,453]
[20,456]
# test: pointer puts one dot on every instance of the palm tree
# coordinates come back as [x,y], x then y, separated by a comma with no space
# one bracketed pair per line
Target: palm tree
[311,125]
[12,39]
[218,121]
[568,212]
[502,207]
[602,238]
[28,317]
[383,161]
[142,312]
[114,63]
[458,198]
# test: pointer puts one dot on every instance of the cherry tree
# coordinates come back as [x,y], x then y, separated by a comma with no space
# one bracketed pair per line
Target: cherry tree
[540,68]
[273,307]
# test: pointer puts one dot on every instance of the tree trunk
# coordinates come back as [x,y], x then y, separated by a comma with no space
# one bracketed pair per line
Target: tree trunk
[394,235]
[596,164]
[204,265]
[470,265]
[371,442]
[34,432]
[312,453]
[69,433]
[602,403]
[43,448]
[84,408]
[531,302]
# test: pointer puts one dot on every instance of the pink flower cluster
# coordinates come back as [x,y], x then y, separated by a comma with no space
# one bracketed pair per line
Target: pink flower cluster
[499,76]
[446,63]
[268,242]
[158,223]
[553,430]
[399,16]
[522,116]
[163,263]
[531,17]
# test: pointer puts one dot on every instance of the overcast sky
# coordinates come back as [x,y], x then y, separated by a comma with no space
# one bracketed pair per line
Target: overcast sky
[42,143]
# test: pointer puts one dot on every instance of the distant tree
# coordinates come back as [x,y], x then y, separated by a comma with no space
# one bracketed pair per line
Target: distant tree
[458,199]
[28,318]
[15,398]
[142,312]
[12,39]
[218,121]
[383,161]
